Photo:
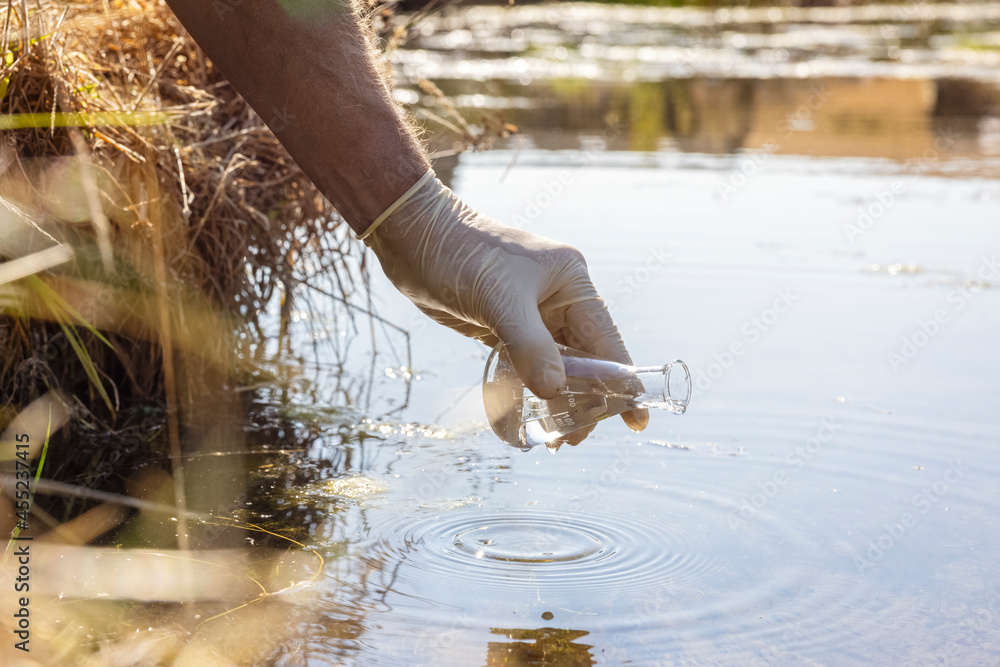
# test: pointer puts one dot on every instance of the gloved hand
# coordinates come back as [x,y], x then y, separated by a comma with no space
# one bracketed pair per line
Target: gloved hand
[497,284]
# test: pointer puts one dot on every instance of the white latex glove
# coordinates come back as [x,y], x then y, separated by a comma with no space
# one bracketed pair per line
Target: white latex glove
[497,284]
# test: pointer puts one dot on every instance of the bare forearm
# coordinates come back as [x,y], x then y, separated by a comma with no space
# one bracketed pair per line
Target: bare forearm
[311,78]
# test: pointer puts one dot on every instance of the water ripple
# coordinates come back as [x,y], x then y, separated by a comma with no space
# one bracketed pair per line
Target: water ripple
[539,548]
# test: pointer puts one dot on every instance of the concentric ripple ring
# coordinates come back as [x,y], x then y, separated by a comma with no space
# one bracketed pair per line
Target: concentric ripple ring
[525,548]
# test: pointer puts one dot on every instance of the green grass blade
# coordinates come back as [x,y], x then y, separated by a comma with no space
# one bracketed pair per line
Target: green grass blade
[45,451]
[20,121]
[62,311]
[85,360]
[53,298]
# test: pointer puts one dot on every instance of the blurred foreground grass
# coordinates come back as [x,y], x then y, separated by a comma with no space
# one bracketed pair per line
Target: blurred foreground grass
[154,238]
[156,243]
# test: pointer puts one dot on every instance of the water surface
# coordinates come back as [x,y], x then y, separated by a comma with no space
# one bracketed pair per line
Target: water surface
[819,501]
[802,207]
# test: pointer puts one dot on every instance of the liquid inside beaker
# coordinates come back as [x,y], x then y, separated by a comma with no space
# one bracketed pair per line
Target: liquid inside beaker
[595,390]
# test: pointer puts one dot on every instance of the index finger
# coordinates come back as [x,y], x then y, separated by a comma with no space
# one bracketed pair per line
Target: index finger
[589,328]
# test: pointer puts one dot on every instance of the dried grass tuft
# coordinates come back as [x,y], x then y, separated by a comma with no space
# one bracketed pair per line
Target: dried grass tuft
[122,140]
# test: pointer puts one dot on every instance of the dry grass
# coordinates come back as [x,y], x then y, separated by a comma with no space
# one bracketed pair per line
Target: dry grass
[148,224]
[153,235]
[125,143]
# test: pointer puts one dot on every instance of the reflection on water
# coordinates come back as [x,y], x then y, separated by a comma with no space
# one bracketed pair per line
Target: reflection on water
[886,118]
[887,82]
[620,43]
[545,647]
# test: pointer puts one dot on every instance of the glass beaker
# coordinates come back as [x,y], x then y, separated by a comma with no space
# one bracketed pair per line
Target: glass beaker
[595,389]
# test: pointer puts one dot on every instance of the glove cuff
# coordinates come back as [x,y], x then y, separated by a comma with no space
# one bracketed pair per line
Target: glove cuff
[396,204]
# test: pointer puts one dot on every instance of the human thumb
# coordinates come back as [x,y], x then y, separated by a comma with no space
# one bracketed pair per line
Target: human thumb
[532,351]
